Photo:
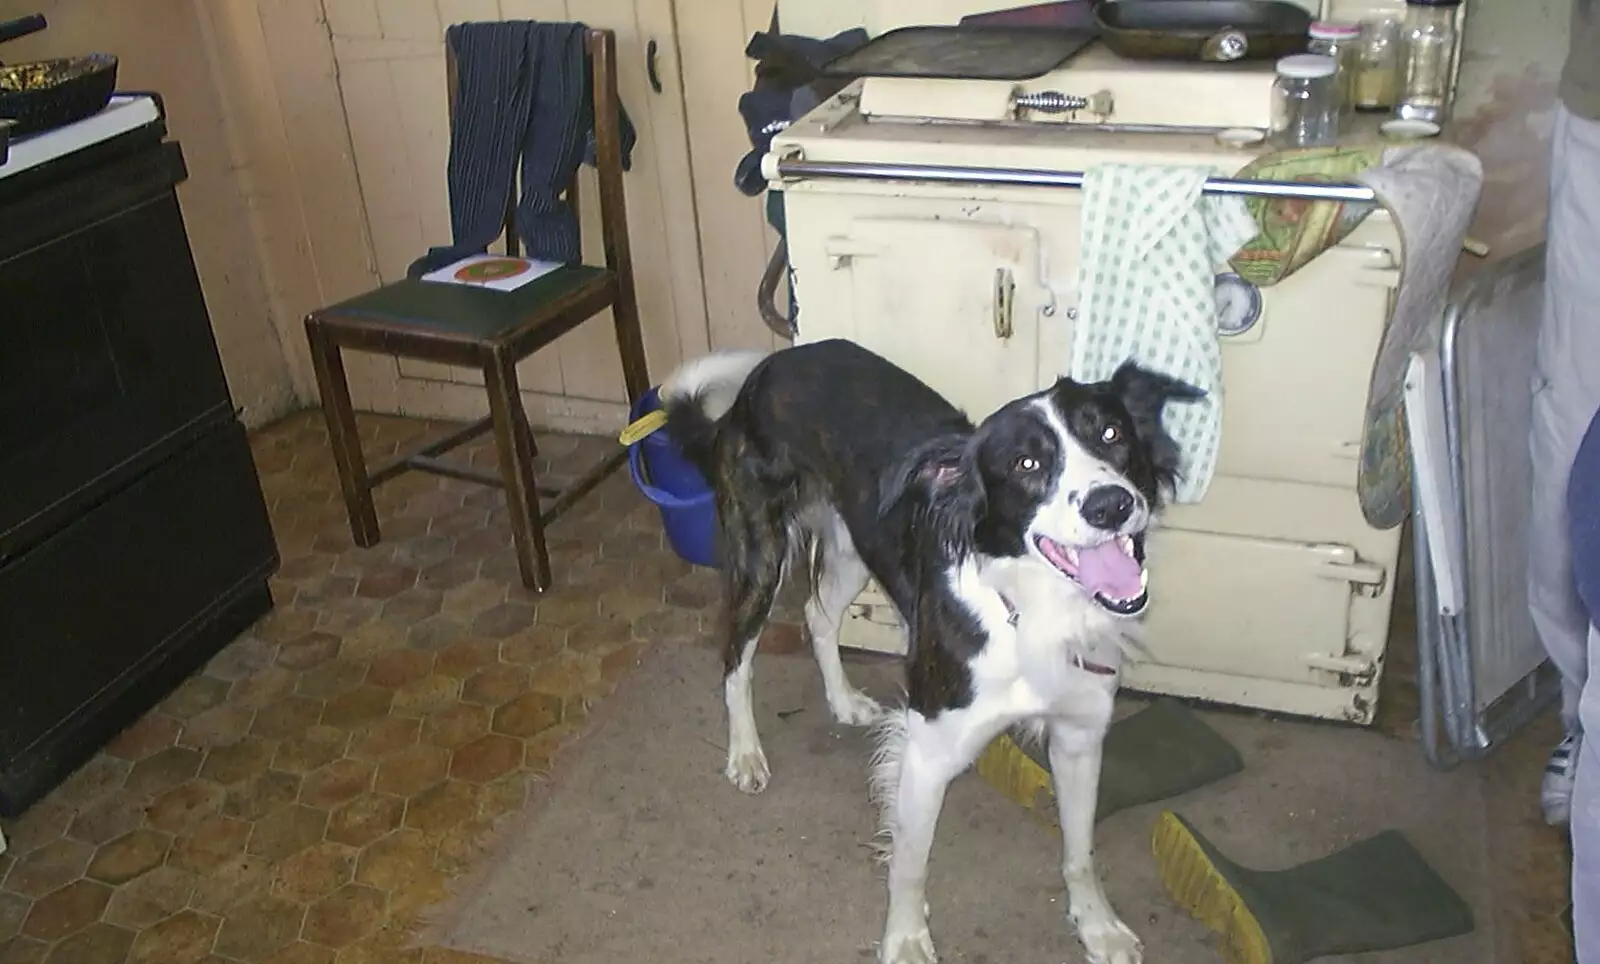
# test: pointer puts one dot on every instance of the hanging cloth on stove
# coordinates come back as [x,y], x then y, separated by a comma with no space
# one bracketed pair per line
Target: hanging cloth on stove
[1431,191]
[1152,246]
[1295,230]
[523,97]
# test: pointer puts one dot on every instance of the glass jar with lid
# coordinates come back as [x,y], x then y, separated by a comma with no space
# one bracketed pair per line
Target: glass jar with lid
[1429,54]
[1377,81]
[1342,42]
[1305,101]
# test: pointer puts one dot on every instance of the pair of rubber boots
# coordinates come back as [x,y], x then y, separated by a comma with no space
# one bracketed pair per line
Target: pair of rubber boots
[1376,894]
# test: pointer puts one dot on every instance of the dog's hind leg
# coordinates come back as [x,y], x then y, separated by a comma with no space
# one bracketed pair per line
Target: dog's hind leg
[756,547]
[1075,766]
[837,577]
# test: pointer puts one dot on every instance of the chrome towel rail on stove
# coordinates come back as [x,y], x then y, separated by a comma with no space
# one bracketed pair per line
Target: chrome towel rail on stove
[796,169]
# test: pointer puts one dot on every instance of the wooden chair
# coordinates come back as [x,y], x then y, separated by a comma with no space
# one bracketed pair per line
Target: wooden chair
[492,331]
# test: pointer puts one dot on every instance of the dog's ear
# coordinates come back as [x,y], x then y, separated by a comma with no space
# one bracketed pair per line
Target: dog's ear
[1145,394]
[939,482]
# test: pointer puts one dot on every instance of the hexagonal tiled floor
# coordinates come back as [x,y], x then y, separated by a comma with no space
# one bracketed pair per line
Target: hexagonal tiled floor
[309,793]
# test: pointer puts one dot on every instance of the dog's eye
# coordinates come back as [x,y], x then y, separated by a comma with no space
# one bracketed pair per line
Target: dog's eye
[1027,463]
[1111,435]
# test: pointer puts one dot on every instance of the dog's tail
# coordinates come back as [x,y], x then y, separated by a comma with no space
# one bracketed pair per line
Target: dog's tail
[699,394]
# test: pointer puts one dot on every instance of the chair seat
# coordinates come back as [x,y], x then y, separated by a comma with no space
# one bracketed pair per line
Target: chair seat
[467,311]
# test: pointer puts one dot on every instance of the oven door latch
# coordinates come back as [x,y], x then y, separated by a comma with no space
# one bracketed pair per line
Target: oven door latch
[1353,670]
[1365,578]
[1005,300]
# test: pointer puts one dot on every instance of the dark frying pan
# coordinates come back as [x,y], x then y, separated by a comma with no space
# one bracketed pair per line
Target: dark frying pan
[1213,31]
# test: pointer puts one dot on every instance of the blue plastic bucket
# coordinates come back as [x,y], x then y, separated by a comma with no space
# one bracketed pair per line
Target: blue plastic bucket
[679,492]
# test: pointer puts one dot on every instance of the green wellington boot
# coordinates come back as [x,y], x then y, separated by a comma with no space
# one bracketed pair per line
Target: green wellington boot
[1376,894]
[1157,753]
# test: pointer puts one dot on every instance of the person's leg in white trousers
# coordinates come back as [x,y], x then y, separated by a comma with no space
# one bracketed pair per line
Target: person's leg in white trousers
[1586,828]
[1566,394]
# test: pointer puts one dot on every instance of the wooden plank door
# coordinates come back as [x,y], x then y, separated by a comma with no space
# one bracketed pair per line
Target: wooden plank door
[735,240]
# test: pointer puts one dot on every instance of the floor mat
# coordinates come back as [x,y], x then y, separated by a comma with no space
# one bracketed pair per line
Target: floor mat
[640,849]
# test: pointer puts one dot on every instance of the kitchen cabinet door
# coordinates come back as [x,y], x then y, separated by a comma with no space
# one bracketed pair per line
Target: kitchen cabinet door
[952,302]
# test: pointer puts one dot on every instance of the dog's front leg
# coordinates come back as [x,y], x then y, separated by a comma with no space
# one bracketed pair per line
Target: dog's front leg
[1075,765]
[925,771]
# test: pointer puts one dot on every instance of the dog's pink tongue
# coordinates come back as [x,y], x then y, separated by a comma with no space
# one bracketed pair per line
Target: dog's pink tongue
[1109,571]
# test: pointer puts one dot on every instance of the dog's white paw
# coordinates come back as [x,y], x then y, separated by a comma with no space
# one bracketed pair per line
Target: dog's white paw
[1107,940]
[908,949]
[856,709]
[748,770]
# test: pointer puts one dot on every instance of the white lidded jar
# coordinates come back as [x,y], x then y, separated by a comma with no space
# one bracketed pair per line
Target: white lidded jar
[1305,101]
[1342,42]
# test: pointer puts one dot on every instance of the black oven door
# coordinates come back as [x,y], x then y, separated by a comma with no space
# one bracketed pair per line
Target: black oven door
[107,362]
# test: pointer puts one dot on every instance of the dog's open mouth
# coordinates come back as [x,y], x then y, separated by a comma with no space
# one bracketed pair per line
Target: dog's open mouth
[1112,573]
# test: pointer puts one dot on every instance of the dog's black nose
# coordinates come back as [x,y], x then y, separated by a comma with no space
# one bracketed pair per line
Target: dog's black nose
[1107,506]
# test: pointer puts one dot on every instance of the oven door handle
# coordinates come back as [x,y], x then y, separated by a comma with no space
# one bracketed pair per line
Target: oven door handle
[1005,302]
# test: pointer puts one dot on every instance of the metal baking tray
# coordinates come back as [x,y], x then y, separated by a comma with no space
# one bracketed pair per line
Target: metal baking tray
[968,53]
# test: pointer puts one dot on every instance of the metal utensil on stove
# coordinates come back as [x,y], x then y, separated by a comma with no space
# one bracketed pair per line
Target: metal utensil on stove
[1209,31]
[22,27]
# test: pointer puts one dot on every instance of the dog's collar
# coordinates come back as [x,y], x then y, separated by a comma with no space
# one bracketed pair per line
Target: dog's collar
[1078,660]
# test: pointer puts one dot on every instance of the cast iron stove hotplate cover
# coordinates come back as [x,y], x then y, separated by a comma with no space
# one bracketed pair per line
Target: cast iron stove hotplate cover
[971,53]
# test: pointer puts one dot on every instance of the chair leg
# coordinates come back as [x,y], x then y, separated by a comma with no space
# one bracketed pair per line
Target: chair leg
[630,341]
[514,441]
[343,437]
[533,443]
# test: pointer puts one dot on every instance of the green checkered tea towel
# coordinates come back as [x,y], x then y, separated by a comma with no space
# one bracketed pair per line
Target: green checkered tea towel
[1152,246]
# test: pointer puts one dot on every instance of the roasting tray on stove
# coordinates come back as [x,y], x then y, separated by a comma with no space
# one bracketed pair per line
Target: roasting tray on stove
[47,94]
[969,53]
[1206,31]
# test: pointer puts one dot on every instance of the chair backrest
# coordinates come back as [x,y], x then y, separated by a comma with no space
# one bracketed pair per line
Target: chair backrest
[602,48]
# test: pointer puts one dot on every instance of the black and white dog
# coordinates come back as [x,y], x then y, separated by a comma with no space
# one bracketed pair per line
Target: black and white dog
[1013,550]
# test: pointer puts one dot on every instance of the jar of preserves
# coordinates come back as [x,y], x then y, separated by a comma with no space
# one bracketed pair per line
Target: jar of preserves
[1342,42]
[1430,44]
[1377,80]
[1305,101]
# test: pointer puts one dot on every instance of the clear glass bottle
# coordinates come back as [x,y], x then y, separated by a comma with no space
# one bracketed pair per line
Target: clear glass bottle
[1342,42]
[1305,101]
[1377,85]
[1430,43]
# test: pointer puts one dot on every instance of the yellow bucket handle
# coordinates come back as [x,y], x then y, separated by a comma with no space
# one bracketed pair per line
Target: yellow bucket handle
[644,425]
